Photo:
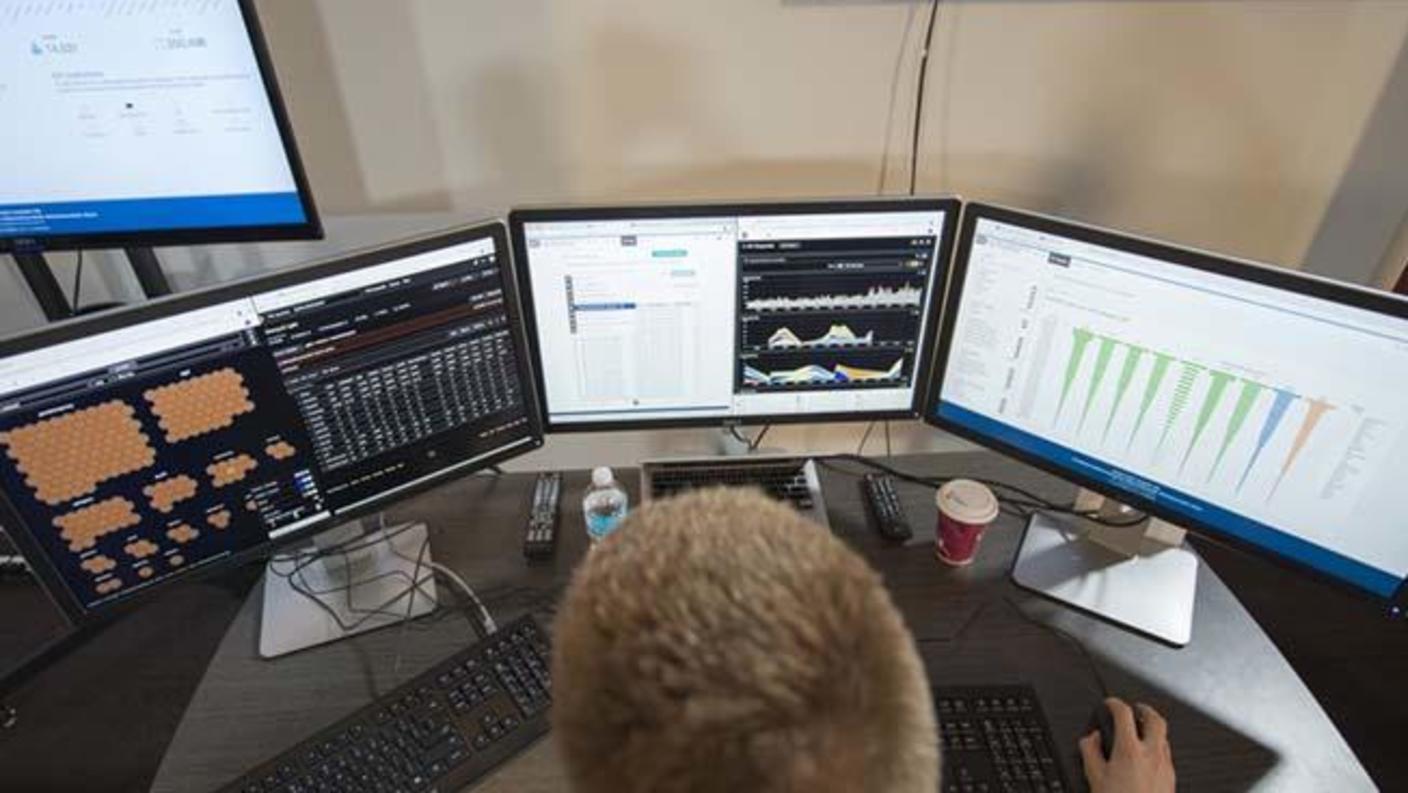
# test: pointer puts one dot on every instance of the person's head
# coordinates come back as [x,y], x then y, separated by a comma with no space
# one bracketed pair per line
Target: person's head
[721,642]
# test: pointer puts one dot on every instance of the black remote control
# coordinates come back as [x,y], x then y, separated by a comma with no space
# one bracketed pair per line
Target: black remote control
[885,511]
[540,538]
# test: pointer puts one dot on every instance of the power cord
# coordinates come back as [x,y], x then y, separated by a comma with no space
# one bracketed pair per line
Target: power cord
[860,448]
[411,600]
[753,447]
[490,627]
[1059,633]
[894,96]
[1013,500]
[1072,640]
[753,443]
[919,96]
[302,561]
[483,624]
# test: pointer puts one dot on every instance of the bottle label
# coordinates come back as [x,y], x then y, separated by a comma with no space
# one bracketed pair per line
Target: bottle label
[602,522]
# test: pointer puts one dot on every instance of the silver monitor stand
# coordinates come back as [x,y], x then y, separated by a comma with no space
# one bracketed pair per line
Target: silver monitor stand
[1141,577]
[365,580]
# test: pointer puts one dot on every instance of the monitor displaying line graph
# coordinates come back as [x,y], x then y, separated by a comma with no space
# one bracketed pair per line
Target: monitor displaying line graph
[828,314]
[660,316]
[1275,416]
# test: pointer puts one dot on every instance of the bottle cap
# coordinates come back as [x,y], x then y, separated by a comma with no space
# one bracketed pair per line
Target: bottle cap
[602,477]
[967,502]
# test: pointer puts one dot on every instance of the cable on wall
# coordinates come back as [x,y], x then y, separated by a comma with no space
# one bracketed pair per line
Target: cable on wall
[919,96]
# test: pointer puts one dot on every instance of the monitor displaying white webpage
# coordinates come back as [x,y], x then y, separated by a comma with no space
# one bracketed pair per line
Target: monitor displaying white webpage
[720,316]
[136,116]
[1274,416]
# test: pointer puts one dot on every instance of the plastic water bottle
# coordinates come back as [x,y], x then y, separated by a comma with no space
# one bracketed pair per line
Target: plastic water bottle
[605,504]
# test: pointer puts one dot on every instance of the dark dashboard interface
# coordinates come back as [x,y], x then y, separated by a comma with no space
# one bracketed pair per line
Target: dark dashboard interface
[134,455]
[393,377]
[831,314]
[136,472]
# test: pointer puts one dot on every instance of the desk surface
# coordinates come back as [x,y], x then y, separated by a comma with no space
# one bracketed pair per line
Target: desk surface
[1240,718]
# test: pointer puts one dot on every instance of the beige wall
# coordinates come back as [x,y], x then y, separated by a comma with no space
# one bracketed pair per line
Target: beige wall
[1227,125]
[1395,261]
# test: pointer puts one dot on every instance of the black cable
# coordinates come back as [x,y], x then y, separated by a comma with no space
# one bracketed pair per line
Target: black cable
[1063,634]
[1052,629]
[738,436]
[894,94]
[302,560]
[968,623]
[1024,504]
[414,584]
[919,97]
[77,284]
[411,600]
[860,449]
[295,582]
[753,445]
[827,462]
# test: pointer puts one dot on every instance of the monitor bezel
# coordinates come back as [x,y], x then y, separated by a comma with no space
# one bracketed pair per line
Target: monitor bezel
[950,206]
[310,228]
[1255,272]
[529,439]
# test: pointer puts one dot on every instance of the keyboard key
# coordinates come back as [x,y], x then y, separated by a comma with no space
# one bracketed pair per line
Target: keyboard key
[406,741]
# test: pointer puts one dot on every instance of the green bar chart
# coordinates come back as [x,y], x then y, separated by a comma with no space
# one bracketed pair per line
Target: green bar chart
[1190,397]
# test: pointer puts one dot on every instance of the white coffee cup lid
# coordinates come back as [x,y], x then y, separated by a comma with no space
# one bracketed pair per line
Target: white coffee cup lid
[967,502]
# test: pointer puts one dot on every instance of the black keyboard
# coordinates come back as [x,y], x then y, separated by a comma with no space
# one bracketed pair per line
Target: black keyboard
[442,730]
[783,479]
[995,739]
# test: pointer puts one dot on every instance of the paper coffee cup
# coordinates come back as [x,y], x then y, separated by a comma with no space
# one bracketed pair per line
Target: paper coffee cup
[965,510]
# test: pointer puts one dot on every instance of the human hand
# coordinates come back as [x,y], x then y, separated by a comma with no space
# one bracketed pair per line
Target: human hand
[1137,764]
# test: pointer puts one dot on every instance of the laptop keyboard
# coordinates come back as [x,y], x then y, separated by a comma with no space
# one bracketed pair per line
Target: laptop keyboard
[784,480]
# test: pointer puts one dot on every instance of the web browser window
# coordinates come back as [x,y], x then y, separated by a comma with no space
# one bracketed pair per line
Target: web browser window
[134,116]
[1272,415]
[732,316]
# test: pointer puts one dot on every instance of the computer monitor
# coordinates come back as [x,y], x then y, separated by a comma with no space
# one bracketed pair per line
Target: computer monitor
[656,316]
[140,124]
[1254,405]
[140,447]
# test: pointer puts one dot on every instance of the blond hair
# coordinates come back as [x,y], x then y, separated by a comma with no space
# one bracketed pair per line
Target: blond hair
[720,642]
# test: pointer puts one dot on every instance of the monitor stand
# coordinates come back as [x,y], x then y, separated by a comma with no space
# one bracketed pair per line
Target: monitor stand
[1140,577]
[367,587]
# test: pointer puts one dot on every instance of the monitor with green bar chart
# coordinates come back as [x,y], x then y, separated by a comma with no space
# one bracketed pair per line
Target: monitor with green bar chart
[1249,403]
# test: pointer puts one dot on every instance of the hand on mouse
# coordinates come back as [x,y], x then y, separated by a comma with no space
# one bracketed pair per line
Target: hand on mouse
[1136,764]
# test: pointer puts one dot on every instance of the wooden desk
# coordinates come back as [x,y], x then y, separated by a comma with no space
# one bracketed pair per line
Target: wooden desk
[1240,717]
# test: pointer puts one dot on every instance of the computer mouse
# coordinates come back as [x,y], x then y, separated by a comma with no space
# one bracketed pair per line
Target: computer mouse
[1103,721]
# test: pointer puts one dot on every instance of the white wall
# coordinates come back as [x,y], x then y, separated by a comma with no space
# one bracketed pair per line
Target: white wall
[1225,124]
